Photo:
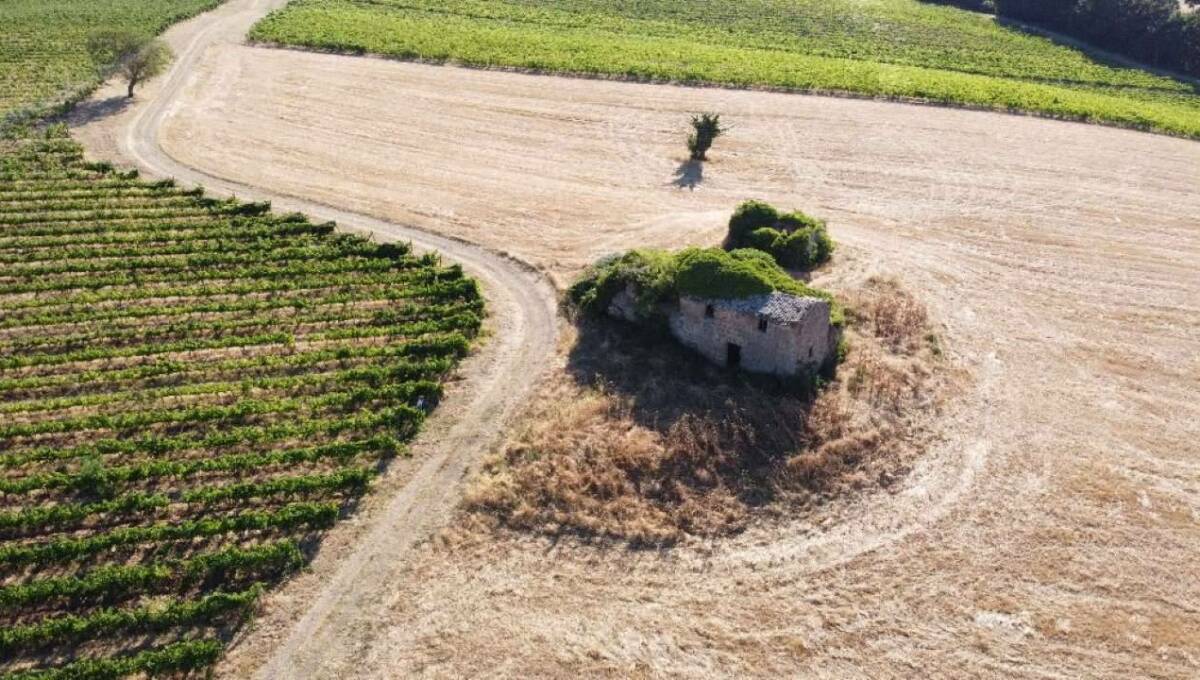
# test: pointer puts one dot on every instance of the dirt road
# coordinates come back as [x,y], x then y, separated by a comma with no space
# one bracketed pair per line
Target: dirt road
[1052,532]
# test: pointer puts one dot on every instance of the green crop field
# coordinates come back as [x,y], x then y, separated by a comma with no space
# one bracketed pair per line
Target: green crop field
[43,56]
[191,391]
[885,48]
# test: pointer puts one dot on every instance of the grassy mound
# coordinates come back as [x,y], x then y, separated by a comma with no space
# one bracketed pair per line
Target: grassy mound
[901,49]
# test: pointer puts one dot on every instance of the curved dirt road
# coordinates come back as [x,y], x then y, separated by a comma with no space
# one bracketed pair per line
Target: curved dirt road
[409,504]
[1051,532]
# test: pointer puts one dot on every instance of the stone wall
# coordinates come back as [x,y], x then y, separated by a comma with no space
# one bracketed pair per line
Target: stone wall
[780,350]
[817,340]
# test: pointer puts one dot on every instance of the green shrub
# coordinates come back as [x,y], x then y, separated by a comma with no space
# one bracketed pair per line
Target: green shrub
[798,220]
[651,272]
[763,239]
[795,240]
[794,250]
[706,128]
[823,244]
[748,218]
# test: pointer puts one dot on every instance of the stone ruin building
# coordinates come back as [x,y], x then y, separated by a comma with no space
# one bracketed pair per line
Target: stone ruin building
[775,333]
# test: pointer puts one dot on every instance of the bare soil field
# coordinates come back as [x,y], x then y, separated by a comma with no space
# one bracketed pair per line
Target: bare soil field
[1052,530]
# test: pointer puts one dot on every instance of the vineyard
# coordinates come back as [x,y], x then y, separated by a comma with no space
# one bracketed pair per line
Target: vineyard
[193,390]
[43,58]
[898,49]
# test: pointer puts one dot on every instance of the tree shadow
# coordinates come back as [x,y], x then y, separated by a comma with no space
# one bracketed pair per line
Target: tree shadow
[689,174]
[93,110]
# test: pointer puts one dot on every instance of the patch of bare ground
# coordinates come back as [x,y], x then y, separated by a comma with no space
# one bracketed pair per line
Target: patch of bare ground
[643,442]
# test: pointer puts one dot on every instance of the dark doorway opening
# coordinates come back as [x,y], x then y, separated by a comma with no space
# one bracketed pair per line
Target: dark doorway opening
[733,355]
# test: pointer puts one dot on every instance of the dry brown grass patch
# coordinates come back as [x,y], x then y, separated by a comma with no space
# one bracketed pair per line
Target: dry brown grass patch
[892,315]
[641,441]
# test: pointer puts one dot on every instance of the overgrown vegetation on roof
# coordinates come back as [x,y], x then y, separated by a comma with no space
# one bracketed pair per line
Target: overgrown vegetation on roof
[659,277]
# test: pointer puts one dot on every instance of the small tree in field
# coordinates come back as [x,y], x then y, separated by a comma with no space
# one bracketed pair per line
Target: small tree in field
[706,128]
[132,56]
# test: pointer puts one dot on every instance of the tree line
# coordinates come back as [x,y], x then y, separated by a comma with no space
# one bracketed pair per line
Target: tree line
[1158,32]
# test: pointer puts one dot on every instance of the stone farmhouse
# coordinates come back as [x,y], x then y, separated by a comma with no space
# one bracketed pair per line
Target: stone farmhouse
[776,333]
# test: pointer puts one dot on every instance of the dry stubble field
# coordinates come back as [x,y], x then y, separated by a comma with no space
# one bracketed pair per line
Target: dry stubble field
[1053,529]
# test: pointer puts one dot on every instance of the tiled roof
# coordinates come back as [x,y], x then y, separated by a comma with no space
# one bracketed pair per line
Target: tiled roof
[780,308]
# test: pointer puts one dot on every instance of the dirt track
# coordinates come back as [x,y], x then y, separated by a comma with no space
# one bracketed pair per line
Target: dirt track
[1054,532]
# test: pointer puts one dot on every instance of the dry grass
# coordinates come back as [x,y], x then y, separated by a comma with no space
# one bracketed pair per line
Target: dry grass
[891,314]
[645,443]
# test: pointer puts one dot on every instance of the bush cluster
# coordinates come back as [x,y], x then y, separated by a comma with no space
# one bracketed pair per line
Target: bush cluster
[650,272]
[794,239]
